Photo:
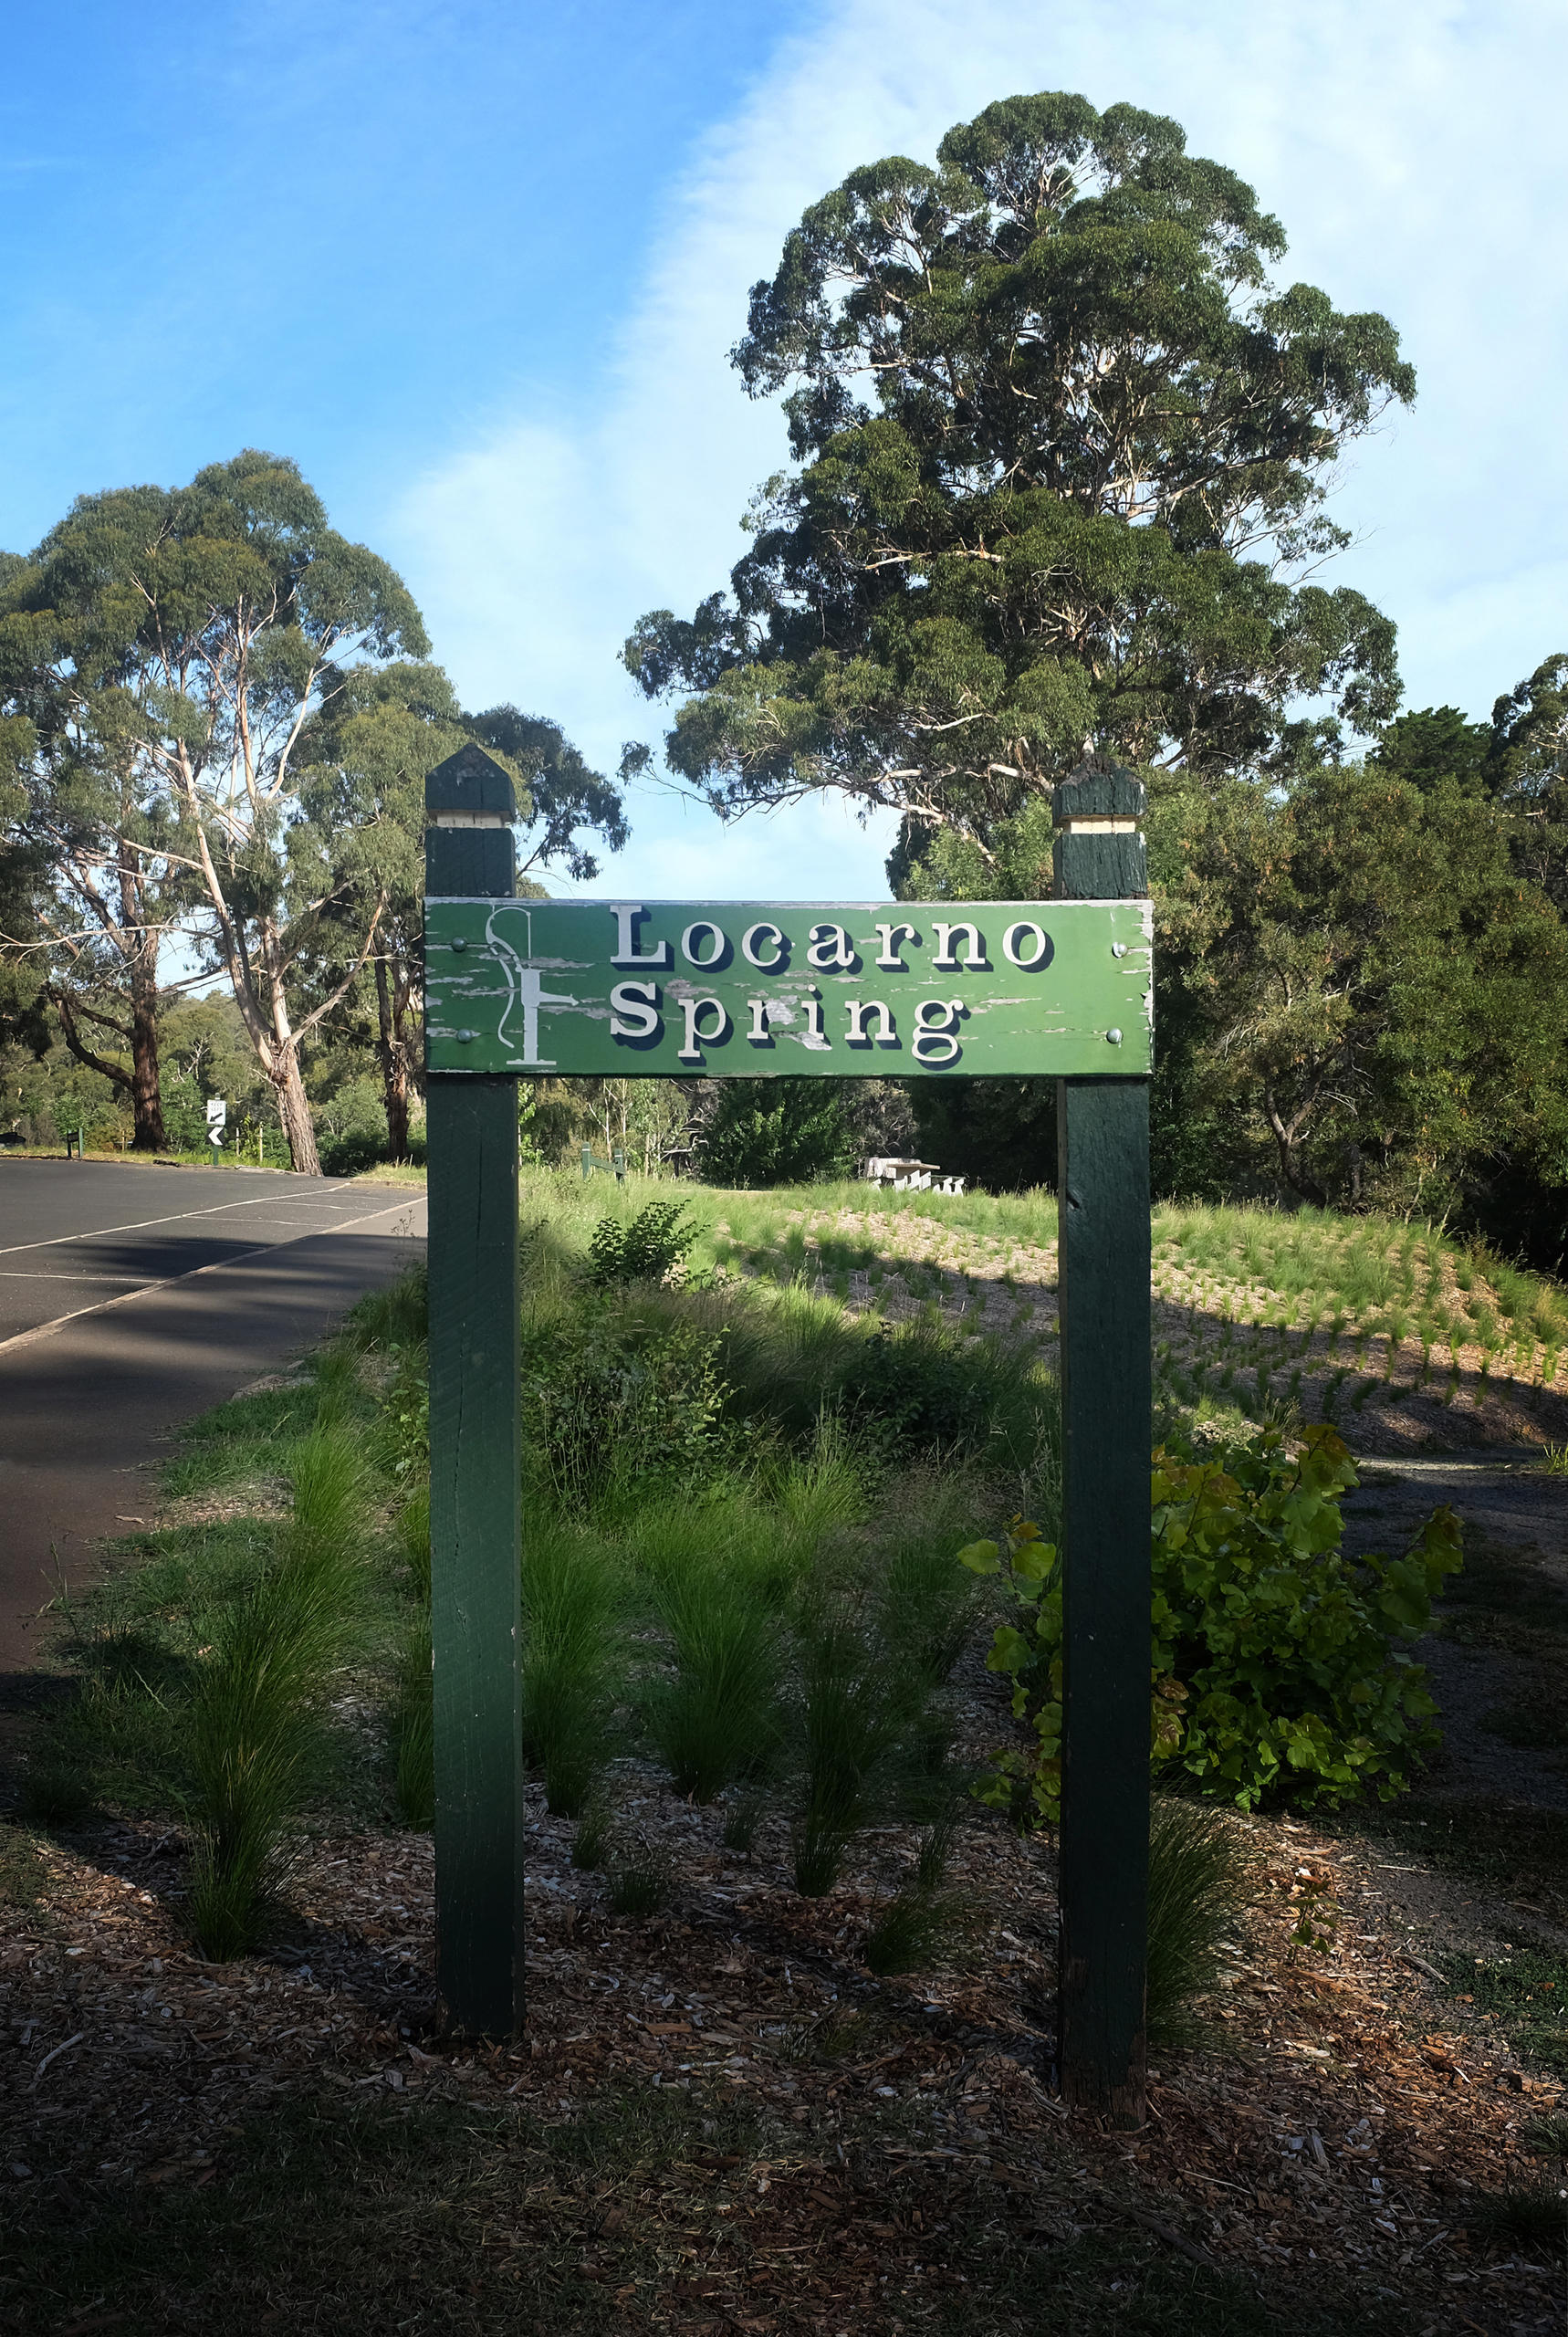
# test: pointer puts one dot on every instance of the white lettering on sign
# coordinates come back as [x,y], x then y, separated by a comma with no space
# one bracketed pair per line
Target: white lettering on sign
[691,940]
[933,1022]
[751,944]
[758,1034]
[893,936]
[887,1032]
[815,1035]
[635,1009]
[1041,955]
[697,1037]
[947,937]
[626,951]
[831,947]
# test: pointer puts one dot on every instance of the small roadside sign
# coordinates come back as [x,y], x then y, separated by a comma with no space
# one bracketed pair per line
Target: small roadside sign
[217,1115]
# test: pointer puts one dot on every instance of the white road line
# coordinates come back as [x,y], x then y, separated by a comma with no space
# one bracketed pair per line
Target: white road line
[20,1273]
[145,1290]
[99,1233]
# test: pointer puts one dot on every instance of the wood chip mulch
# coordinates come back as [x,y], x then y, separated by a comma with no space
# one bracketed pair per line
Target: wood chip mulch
[1345,2118]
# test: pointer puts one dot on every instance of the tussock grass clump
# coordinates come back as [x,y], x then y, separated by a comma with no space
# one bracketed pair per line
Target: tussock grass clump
[253,1743]
[1533,2215]
[570,1635]
[397,1316]
[853,1716]
[715,1717]
[1199,1891]
[912,1932]
[592,1842]
[639,1884]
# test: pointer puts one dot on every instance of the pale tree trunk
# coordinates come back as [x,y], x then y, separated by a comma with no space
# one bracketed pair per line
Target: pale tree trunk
[294,1111]
[392,1048]
[146,1094]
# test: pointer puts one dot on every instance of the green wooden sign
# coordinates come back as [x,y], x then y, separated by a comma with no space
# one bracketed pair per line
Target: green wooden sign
[657,989]
[788,988]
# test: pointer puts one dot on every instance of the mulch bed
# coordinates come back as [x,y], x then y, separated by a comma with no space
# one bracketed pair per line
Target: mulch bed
[1344,2125]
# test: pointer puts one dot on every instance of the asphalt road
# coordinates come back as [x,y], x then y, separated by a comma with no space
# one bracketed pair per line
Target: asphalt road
[132,1299]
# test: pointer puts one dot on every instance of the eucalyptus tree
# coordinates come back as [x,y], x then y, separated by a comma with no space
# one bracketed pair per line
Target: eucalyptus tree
[379,730]
[1061,446]
[227,608]
[93,818]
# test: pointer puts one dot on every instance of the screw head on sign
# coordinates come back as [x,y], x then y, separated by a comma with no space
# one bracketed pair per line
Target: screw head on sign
[1114,1037]
[464,1037]
[461,943]
[1118,948]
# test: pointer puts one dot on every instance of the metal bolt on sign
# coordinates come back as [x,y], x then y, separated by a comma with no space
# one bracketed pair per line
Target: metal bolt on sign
[723,989]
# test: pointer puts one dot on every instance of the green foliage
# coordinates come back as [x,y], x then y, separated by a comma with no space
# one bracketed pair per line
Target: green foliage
[647,1247]
[639,1884]
[911,1930]
[1525,1992]
[714,1718]
[855,1718]
[1279,1665]
[890,635]
[1535,2214]
[1367,987]
[569,1648]
[609,1393]
[1198,1893]
[776,1132]
[252,1737]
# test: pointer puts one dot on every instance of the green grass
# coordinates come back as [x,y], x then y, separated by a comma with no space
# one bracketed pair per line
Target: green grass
[1520,1994]
[1199,1893]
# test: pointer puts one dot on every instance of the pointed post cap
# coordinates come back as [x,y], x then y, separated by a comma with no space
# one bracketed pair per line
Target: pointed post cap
[470,781]
[1100,790]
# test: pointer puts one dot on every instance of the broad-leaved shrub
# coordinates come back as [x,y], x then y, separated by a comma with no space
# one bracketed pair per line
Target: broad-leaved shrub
[1279,1665]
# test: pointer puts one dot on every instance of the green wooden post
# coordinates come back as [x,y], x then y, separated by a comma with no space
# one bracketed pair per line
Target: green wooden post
[475,1459]
[1102,1188]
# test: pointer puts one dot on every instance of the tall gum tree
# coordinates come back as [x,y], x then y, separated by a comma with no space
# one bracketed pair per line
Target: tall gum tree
[380,730]
[234,607]
[94,812]
[1061,448]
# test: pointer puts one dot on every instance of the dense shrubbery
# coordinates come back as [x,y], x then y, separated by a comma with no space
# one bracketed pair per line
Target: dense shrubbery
[1279,1665]
[776,1132]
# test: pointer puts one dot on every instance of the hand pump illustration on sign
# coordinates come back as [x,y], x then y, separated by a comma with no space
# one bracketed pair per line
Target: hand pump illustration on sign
[795,990]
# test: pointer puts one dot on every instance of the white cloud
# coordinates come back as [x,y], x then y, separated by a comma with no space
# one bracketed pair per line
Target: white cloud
[1413,153]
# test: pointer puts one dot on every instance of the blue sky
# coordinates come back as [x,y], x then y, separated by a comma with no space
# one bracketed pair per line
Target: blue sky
[476,267]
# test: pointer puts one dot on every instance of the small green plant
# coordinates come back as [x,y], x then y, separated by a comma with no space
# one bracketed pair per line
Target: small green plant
[1533,2215]
[639,1885]
[23,1871]
[1547,2135]
[413,1534]
[590,1844]
[568,1612]
[253,1735]
[1554,1460]
[913,1930]
[1278,1664]
[649,1247]
[54,1791]
[860,1736]
[714,1713]
[742,1818]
